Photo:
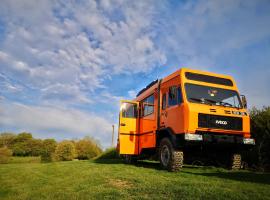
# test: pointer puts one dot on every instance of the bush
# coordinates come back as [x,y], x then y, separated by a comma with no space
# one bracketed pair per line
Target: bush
[21,144]
[110,153]
[5,154]
[6,139]
[260,130]
[36,146]
[87,148]
[65,151]
[48,149]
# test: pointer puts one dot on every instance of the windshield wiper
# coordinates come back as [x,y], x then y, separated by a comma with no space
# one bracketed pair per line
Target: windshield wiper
[211,101]
[195,99]
[226,103]
[203,101]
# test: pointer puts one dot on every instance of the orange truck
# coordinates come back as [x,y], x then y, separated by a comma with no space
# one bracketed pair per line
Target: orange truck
[188,115]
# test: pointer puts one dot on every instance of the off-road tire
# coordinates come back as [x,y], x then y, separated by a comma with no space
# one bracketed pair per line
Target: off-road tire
[175,158]
[236,161]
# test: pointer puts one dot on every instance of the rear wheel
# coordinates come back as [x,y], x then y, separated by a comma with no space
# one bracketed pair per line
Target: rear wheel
[170,158]
[129,159]
[236,161]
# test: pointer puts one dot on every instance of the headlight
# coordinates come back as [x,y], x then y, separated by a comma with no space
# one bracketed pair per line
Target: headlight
[248,141]
[196,137]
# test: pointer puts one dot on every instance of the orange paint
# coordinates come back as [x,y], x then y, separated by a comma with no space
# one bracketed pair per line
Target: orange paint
[180,118]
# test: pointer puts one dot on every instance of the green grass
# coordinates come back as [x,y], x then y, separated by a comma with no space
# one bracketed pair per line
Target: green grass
[111,179]
[24,160]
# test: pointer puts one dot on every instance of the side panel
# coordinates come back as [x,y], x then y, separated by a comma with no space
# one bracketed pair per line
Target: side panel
[172,116]
[128,128]
[148,125]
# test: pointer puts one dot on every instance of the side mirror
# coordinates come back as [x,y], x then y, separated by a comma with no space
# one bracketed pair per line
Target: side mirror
[244,101]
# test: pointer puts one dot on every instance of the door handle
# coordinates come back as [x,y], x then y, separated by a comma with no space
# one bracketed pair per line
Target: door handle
[122,124]
[165,113]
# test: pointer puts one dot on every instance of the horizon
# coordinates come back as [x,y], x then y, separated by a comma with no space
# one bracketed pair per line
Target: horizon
[64,66]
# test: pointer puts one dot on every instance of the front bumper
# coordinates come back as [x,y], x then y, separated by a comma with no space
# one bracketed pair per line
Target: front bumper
[214,140]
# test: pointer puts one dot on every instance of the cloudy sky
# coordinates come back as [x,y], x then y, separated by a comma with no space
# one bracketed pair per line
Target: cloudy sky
[64,65]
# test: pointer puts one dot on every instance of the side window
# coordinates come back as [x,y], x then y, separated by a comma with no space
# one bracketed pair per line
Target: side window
[148,105]
[175,96]
[164,101]
[129,110]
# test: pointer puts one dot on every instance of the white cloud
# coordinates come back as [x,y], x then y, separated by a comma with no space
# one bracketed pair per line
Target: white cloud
[204,30]
[64,51]
[8,86]
[78,43]
[64,94]
[47,121]
[132,94]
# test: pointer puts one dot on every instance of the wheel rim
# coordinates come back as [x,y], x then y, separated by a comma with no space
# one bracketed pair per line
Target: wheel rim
[165,155]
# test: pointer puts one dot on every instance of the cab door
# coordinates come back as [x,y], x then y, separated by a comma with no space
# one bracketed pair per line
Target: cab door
[128,127]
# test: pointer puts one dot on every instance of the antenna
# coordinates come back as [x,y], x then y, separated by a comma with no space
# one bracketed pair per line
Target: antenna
[112,134]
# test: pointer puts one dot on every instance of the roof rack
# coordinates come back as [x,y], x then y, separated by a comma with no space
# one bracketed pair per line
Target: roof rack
[148,86]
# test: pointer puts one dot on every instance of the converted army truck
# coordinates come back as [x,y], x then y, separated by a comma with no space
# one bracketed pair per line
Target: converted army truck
[187,115]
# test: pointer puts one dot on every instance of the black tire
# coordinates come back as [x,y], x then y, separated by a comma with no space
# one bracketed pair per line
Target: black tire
[170,158]
[236,161]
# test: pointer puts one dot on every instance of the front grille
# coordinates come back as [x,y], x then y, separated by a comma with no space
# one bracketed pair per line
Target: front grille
[220,122]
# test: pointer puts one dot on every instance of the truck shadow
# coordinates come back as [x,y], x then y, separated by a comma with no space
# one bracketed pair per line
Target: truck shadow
[108,161]
[140,163]
[149,164]
[245,176]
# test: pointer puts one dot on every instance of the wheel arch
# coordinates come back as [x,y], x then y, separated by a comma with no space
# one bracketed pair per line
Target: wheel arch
[175,139]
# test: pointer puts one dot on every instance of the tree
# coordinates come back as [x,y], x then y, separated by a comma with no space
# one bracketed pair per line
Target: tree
[21,144]
[87,148]
[48,149]
[65,151]
[36,146]
[5,154]
[260,130]
[6,139]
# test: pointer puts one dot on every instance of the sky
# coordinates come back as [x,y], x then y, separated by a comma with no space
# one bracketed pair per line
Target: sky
[65,64]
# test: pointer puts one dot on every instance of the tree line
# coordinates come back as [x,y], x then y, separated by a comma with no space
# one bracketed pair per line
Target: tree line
[24,144]
[259,156]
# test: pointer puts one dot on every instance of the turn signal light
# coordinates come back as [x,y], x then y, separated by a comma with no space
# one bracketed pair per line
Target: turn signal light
[196,137]
[249,141]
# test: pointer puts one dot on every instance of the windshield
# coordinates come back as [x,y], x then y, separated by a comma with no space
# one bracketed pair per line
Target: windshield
[212,95]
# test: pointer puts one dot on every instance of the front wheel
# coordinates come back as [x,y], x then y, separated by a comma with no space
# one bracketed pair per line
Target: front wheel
[169,158]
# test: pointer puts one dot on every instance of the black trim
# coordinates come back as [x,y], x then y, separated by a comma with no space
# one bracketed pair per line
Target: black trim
[158,107]
[137,134]
[220,122]
[129,134]
[148,86]
[208,79]
[142,106]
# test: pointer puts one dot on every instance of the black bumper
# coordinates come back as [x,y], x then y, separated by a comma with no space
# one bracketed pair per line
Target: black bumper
[213,141]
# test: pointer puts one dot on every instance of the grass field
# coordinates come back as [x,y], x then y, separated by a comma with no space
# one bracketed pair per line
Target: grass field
[114,180]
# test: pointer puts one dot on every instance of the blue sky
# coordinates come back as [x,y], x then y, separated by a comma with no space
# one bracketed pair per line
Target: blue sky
[64,65]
